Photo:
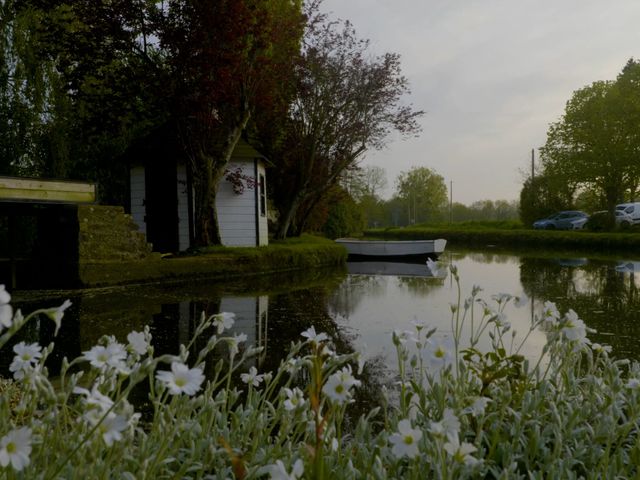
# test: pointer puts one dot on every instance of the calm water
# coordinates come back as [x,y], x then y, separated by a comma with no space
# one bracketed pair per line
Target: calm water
[358,309]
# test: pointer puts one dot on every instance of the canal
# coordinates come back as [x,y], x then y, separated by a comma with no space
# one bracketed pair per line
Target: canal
[358,306]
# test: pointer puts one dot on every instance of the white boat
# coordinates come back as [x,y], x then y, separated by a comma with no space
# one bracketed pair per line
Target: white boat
[393,248]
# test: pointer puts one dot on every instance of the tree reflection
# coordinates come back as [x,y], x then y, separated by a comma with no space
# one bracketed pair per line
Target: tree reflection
[344,300]
[292,313]
[604,297]
[420,286]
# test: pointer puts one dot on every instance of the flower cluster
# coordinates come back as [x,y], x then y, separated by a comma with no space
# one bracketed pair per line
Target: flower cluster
[457,412]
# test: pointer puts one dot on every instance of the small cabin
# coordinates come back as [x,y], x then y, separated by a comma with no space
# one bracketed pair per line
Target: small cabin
[162,200]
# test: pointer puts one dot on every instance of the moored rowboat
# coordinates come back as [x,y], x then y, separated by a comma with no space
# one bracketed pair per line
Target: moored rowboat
[393,248]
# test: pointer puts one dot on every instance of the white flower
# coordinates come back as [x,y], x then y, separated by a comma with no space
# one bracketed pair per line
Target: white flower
[573,328]
[550,312]
[501,297]
[633,383]
[223,321]
[500,319]
[27,355]
[601,348]
[181,379]
[278,471]
[113,355]
[56,314]
[448,427]
[402,337]
[311,335]
[338,385]
[438,352]
[435,269]
[95,398]
[15,448]
[234,343]
[419,324]
[4,295]
[405,442]
[478,406]
[6,310]
[521,301]
[111,426]
[252,378]
[138,342]
[461,452]
[295,399]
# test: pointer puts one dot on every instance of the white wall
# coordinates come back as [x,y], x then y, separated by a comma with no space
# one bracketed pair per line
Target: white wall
[246,321]
[138,210]
[236,212]
[263,227]
[183,208]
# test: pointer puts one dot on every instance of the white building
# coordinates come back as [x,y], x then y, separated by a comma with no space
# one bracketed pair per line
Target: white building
[162,205]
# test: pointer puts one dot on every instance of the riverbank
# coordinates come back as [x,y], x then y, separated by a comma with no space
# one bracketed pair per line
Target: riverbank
[213,263]
[515,238]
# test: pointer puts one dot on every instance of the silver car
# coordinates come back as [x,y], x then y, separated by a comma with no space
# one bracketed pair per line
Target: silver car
[562,221]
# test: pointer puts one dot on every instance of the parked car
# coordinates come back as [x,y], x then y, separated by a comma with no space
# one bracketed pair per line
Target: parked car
[632,209]
[599,220]
[562,221]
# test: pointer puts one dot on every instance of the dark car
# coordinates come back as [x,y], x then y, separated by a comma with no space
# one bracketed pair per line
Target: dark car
[561,220]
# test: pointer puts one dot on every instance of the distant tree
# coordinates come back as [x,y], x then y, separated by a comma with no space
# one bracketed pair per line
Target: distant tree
[346,102]
[371,180]
[423,193]
[364,185]
[33,102]
[596,143]
[104,92]
[542,197]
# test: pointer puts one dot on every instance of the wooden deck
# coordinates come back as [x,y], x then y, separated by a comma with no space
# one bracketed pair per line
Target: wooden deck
[13,189]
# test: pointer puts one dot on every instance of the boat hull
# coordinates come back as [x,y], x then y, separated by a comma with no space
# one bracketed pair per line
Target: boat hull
[393,249]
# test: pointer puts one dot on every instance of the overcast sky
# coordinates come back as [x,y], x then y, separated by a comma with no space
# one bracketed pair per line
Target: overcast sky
[491,75]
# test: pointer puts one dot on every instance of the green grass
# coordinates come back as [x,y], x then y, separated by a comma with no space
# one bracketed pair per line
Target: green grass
[220,262]
[481,235]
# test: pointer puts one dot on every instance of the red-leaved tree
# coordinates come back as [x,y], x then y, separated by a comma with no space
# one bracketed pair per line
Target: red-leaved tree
[229,59]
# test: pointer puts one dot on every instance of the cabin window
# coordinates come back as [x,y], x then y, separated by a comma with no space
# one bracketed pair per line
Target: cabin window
[263,197]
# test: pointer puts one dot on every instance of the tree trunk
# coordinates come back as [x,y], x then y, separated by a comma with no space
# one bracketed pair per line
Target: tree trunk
[206,217]
[209,173]
[286,217]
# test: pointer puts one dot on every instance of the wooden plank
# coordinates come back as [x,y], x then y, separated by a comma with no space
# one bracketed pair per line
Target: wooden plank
[30,189]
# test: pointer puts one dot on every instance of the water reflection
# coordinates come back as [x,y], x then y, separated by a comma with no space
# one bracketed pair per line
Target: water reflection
[359,310]
[603,292]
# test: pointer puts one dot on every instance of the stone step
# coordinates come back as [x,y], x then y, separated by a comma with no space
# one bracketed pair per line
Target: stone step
[106,233]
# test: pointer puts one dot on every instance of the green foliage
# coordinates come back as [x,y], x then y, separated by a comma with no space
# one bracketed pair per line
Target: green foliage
[346,101]
[601,221]
[543,196]
[483,210]
[594,145]
[34,109]
[423,193]
[345,218]
[474,235]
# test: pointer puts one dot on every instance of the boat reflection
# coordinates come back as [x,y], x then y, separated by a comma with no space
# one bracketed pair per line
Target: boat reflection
[399,269]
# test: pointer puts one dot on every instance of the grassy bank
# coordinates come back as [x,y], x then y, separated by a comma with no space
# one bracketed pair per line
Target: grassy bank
[481,235]
[218,262]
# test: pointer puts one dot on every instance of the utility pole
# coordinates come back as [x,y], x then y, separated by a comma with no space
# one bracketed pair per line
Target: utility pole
[532,166]
[450,200]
